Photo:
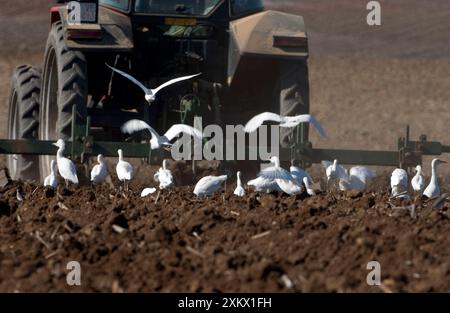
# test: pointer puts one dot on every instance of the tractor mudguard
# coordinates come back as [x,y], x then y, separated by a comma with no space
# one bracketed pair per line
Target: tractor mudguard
[116,32]
[267,35]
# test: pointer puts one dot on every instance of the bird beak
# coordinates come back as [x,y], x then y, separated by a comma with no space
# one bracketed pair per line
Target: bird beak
[445,162]
[55,144]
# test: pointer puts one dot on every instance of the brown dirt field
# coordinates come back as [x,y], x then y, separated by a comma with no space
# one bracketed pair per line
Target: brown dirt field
[178,243]
[367,84]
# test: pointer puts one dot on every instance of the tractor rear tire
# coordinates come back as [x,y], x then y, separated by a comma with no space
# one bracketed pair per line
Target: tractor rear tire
[23,122]
[65,85]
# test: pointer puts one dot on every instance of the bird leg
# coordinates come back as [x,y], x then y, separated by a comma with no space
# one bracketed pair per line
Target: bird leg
[67,183]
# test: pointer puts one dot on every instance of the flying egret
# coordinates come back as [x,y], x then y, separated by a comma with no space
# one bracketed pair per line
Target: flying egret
[284,121]
[124,170]
[99,171]
[164,176]
[52,179]
[208,185]
[158,141]
[66,167]
[147,191]
[150,94]
[433,190]
[399,182]
[358,179]
[239,191]
[418,182]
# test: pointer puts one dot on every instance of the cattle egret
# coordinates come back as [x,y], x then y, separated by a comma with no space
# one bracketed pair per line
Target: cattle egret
[289,186]
[334,170]
[124,170]
[150,94]
[158,141]
[261,184]
[358,179]
[275,171]
[52,179]
[209,185]
[284,121]
[399,182]
[433,190]
[239,191]
[147,191]
[99,171]
[308,187]
[164,176]
[66,167]
[298,174]
[418,182]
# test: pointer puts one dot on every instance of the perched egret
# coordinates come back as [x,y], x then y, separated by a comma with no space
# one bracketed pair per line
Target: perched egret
[358,179]
[284,121]
[150,94]
[164,176]
[99,171]
[66,167]
[399,182]
[433,190]
[308,187]
[418,182]
[239,191]
[208,185]
[124,170]
[52,179]
[298,174]
[147,191]
[275,171]
[261,184]
[158,141]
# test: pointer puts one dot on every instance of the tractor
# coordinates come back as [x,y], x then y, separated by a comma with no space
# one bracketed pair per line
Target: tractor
[251,59]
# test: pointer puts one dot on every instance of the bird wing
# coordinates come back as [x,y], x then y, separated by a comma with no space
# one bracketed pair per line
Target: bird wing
[176,129]
[275,173]
[256,121]
[362,173]
[95,171]
[299,174]
[399,177]
[289,187]
[134,126]
[124,170]
[326,164]
[134,80]
[292,121]
[173,81]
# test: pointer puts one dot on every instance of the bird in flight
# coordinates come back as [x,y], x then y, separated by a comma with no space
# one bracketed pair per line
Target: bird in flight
[150,94]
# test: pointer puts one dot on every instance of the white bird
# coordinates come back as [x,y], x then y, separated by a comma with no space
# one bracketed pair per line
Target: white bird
[285,121]
[124,170]
[418,182]
[433,190]
[334,170]
[100,171]
[308,187]
[358,179]
[158,141]
[209,185]
[298,174]
[52,179]
[261,184]
[276,171]
[399,182]
[164,176]
[147,191]
[150,94]
[289,186]
[239,191]
[66,167]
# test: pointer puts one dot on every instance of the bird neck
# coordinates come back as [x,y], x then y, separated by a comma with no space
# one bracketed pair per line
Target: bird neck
[239,182]
[120,156]
[434,172]
[277,162]
[60,153]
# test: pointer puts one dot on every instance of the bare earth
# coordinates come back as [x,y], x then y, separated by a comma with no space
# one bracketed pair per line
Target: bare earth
[367,84]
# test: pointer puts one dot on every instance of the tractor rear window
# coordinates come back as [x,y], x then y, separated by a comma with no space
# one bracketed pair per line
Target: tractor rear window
[241,7]
[119,4]
[176,7]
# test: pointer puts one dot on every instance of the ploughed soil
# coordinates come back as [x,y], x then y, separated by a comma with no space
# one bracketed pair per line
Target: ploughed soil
[174,241]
